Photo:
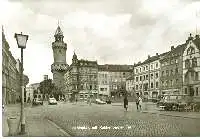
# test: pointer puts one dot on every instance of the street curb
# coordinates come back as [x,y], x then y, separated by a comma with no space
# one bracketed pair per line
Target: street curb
[58,127]
[171,115]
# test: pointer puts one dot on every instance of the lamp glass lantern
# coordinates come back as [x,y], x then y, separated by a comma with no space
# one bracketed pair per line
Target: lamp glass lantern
[21,40]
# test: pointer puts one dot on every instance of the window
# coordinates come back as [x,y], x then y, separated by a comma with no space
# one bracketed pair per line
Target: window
[156,84]
[151,76]
[185,90]
[197,93]
[140,78]
[163,83]
[176,81]
[156,65]
[147,77]
[151,66]
[176,70]
[172,61]
[190,50]
[167,72]
[136,87]
[171,83]
[194,62]
[90,87]
[167,83]
[140,69]
[163,73]
[136,79]
[136,71]
[101,89]
[151,85]
[156,75]
[176,61]
[196,76]
[172,72]
[144,77]
[144,68]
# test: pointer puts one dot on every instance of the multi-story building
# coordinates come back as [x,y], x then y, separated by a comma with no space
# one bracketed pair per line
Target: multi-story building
[171,69]
[59,67]
[32,91]
[116,77]
[191,66]
[130,87]
[81,79]
[103,82]
[147,77]
[11,87]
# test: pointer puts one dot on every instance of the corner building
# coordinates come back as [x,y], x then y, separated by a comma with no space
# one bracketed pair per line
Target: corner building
[191,67]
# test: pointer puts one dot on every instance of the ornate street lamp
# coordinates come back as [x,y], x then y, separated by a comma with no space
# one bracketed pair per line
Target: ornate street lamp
[21,42]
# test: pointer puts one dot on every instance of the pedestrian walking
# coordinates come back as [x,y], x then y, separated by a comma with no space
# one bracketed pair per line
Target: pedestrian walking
[140,102]
[137,101]
[125,103]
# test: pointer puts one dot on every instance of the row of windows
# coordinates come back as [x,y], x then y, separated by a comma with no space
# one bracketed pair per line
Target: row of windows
[146,68]
[146,86]
[146,77]
[170,72]
[169,82]
[103,89]
[195,90]
[170,62]
[191,63]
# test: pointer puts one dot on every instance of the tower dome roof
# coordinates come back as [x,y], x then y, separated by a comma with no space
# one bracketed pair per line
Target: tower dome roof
[59,31]
[74,56]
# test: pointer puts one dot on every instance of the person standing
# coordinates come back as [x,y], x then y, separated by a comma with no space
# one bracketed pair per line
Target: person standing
[125,103]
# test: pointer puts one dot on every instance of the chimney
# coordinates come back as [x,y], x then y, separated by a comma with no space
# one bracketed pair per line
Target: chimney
[172,48]
[149,56]
[156,54]
[197,36]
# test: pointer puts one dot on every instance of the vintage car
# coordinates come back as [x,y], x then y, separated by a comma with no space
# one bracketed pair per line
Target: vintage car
[52,101]
[37,101]
[172,102]
[99,101]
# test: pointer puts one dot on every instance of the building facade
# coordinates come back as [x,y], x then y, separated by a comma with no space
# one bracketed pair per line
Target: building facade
[147,75]
[81,79]
[191,66]
[59,67]
[103,83]
[116,77]
[171,71]
[130,86]
[11,69]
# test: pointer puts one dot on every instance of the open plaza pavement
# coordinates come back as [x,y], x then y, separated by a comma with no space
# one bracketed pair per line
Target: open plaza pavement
[82,119]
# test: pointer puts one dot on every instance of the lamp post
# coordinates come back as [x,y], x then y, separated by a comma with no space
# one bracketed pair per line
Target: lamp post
[21,42]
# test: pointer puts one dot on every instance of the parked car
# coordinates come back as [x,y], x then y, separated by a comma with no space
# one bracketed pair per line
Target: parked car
[172,101]
[37,101]
[52,101]
[108,101]
[98,101]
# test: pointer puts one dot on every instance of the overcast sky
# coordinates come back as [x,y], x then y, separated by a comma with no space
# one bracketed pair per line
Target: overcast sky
[109,31]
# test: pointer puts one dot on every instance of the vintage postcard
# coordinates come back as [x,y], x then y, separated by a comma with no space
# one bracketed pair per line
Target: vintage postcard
[100,68]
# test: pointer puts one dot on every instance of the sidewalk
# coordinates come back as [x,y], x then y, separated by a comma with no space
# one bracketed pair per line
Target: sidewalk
[36,126]
[152,108]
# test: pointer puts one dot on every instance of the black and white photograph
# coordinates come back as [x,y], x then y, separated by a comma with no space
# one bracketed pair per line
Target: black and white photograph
[100,68]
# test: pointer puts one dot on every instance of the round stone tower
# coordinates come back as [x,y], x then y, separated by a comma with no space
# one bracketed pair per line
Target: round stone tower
[59,67]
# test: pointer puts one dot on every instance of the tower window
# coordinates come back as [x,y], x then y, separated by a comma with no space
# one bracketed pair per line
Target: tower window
[60,51]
